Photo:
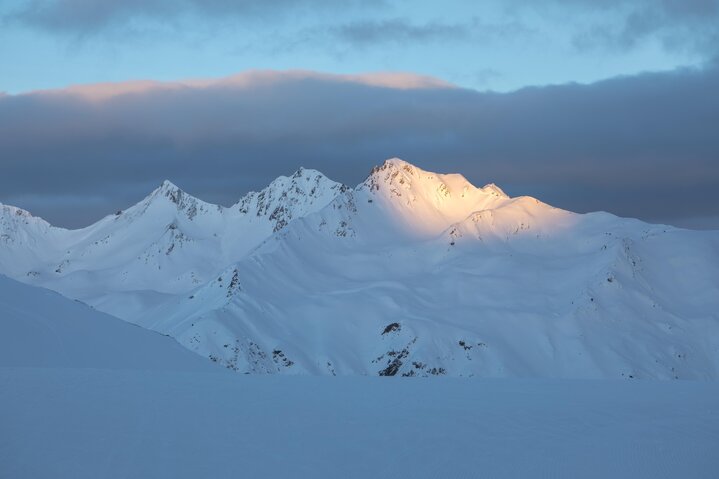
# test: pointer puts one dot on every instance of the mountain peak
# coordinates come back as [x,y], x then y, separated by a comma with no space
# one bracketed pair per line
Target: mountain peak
[12,215]
[178,199]
[10,210]
[299,181]
[289,197]
[396,162]
[425,202]
[392,165]
[167,187]
[397,175]
[173,193]
[167,184]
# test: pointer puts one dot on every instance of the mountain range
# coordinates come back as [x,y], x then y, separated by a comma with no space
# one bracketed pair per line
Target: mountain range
[410,273]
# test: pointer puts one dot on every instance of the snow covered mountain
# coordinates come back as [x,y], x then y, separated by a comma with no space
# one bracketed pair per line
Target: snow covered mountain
[411,273]
[168,243]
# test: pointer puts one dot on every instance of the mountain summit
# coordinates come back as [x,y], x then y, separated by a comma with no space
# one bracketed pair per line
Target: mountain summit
[425,201]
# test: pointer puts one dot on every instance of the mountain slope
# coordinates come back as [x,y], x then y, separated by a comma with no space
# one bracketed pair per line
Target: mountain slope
[407,277]
[40,328]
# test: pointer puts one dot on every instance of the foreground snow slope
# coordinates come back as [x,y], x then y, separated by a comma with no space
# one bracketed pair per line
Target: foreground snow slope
[409,273]
[40,328]
[84,395]
[116,424]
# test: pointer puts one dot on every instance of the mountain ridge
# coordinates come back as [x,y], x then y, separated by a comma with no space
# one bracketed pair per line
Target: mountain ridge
[411,273]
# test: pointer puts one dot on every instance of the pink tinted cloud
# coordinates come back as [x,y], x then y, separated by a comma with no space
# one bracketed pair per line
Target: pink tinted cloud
[97,92]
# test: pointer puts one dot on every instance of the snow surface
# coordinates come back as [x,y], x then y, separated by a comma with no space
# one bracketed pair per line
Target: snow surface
[85,395]
[73,423]
[409,273]
[40,328]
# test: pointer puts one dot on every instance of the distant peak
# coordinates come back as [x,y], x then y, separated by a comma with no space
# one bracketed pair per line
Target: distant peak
[168,185]
[394,164]
[14,211]
[168,189]
[396,172]
[14,215]
[301,176]
[305,172]
[289,197]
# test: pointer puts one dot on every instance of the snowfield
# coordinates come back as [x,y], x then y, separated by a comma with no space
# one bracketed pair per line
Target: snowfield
[89,423]
[411,273]
[85,395]
[42,329]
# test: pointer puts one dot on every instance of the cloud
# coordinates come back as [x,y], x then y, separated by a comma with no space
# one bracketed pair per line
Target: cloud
[688,28]
[329,24]
[643,146]
[398,31]
[401,31]
[619,24]
[87,16]
[100,92]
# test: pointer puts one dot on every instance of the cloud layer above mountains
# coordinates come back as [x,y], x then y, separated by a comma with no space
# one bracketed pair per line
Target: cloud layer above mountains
[611,23]
[643,146]
[500,45]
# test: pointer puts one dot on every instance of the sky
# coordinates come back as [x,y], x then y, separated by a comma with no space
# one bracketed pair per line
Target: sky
[587,105]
